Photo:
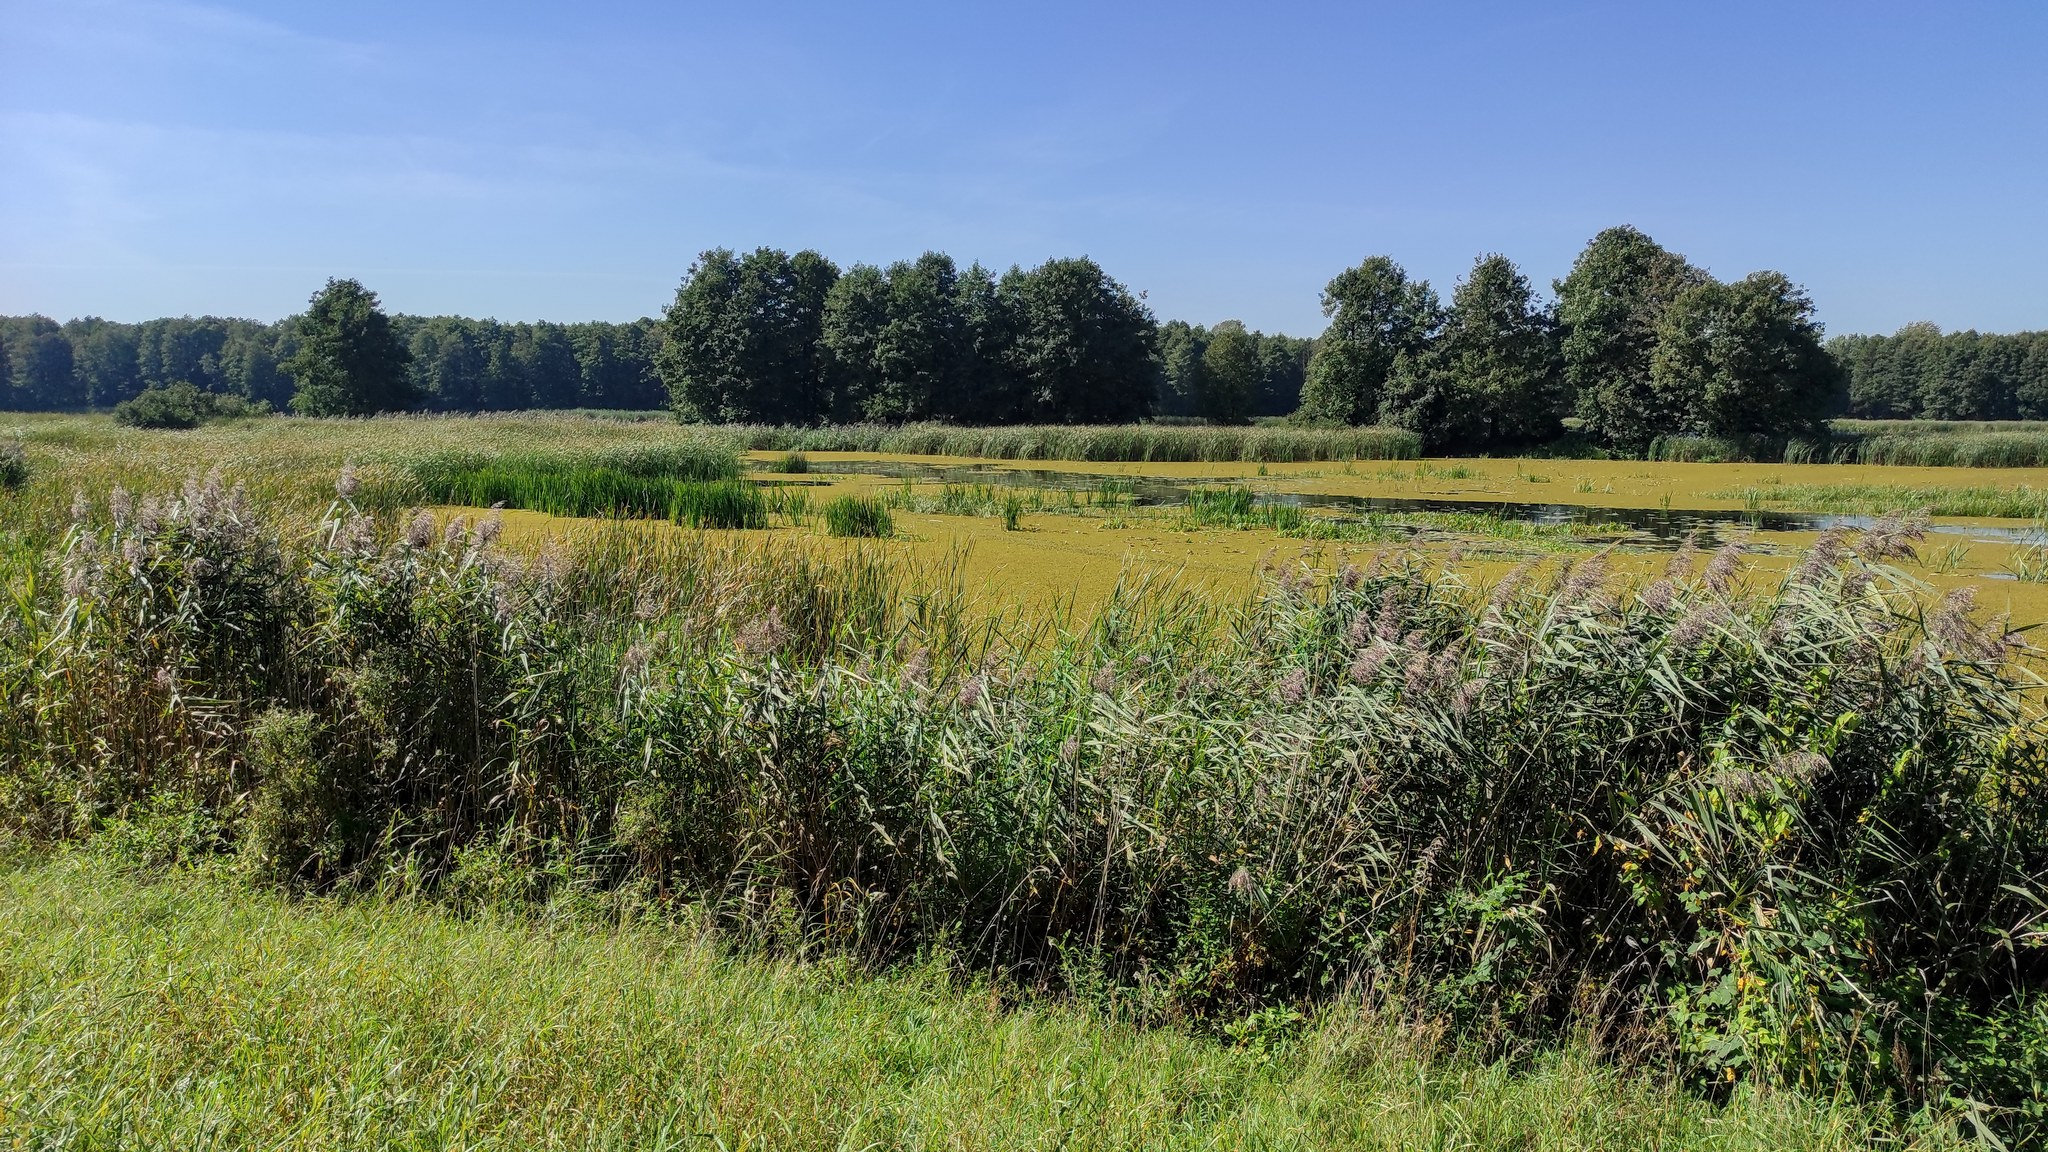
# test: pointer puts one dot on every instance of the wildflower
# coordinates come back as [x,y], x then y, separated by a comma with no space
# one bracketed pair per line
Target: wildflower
[1510,584]
[634,662]
[1951,625]
[1585,586]
[1367,666]
[1695,626]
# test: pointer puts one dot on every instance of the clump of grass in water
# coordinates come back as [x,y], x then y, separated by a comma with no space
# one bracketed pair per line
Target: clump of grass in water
[723,504]
[645,482]
[1236,507]
[794,464]
[859,516]
[2022,502]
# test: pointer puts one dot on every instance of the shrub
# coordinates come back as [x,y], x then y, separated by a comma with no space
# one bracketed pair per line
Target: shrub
[13,466]
[299,822]
[859,516]
[182,405]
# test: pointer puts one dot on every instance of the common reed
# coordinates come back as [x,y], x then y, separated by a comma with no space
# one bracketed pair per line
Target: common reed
[1795,836]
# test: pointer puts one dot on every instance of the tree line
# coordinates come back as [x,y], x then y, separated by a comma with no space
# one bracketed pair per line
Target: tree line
[1638,344]
[1921,372]
[1634,344]
[451,363]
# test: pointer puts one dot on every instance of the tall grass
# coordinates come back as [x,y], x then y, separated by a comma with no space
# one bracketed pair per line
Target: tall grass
[633,482]
[1924,443]
[1794,835]
[2018,502]
[189,1012]
[859,516]
[1129,442]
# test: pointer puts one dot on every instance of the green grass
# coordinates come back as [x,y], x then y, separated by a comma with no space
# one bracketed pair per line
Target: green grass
[188,1012]
[2020,502]
[859,516]
[1114,442]
[1232,506]
[1937,443]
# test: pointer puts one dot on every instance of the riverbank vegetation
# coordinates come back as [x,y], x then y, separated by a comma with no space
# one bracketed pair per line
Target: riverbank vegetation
[1777,833]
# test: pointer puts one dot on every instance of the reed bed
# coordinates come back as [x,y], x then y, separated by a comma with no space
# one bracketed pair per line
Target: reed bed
[1942,444]
[1121,442]
[859,516]
[2022,502]
[1786,835]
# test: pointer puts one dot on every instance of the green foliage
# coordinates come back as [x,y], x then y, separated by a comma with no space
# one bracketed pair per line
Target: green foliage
[1235,507]
[1494,379]
[1380,325]
[181,405]
[718,504]
[349,360]
[642,482]
[1743,359]
[1610,308]
[1231,375]
[1085,346]
[743,337]
[859,516]
[1776,827]
[1942,444]
[13,466]
[793,464]
[1116,442]
[898,341]
[1921,372]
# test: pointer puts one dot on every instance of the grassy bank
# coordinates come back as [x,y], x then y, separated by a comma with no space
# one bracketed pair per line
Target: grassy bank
[1524,808]
[190,1012]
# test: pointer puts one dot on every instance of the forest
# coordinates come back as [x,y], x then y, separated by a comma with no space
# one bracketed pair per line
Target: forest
[1634,345]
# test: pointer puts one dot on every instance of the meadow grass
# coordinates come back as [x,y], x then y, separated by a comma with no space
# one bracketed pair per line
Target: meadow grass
[188,1011]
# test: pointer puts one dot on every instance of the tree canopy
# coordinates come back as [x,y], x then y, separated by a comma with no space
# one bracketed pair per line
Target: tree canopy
[349,361]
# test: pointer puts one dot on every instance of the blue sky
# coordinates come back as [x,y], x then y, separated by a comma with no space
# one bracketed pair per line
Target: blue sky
[566,161]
